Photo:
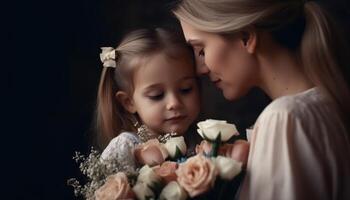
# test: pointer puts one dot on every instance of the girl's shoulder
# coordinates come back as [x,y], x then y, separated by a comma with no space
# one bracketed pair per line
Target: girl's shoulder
[128,136]
[124,143]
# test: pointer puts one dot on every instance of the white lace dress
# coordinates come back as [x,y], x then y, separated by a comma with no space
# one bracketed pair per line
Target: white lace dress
[121,148]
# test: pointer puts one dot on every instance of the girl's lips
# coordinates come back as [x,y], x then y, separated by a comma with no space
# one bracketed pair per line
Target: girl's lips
[176,118]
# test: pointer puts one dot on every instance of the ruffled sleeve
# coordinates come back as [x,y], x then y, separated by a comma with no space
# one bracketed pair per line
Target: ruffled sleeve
[121,148]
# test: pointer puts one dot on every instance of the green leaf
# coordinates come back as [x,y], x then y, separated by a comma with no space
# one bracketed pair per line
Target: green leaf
[156,187]
[178,153]
[218,138]
[215,146]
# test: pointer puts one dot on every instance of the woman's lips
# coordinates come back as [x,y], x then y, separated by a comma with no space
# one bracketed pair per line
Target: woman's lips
[216,82]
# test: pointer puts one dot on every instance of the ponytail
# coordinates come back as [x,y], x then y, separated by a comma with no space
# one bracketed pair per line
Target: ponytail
[111,117]
[322,57]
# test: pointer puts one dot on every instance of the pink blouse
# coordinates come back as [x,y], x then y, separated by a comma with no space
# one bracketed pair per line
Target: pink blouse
[299,150]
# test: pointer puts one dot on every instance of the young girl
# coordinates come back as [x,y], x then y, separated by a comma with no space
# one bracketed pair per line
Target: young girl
[290,49]
[148,79]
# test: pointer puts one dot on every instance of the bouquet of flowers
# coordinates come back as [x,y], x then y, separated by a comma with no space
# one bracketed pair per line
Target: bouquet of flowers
[166,172]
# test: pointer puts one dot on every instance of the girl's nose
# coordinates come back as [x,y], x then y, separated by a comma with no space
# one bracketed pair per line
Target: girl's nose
[173,102]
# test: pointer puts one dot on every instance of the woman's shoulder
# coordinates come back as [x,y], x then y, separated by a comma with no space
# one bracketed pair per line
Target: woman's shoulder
[307,101]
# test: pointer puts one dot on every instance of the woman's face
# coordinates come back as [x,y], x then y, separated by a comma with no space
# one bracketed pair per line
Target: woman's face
[227,62]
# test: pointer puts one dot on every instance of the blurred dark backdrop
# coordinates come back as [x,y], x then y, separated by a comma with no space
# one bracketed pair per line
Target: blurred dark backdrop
[50,70]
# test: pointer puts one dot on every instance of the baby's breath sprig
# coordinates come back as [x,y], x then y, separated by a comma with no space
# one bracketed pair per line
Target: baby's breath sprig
[96,171]
[164,138]
[144,133]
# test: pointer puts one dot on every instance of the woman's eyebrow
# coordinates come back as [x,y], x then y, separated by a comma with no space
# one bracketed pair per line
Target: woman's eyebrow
[188,77]
[195,42]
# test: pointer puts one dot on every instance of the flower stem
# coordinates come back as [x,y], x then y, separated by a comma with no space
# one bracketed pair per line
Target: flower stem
[215,148]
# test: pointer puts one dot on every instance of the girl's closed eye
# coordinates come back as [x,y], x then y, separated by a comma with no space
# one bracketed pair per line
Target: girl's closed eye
[156,96]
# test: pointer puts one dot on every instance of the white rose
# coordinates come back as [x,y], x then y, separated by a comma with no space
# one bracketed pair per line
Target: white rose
[148,177]
[228,168]
[173,191]
[210,129]
[176,142]
[142,191]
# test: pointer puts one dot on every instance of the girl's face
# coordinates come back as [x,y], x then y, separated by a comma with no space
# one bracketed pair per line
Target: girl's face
[166,95]
[226,61]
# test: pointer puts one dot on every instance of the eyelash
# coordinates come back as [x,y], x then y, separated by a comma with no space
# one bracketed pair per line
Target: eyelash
[186,90]
[201,52]
[156,97]
[161,95]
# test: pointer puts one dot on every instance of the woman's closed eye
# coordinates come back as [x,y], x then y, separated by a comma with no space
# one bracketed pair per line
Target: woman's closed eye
[186,90]
[201,53]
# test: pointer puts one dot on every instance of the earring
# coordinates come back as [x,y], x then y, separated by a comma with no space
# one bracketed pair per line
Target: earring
[143,132]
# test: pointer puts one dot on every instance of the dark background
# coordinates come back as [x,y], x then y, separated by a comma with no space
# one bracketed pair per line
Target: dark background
[50,70]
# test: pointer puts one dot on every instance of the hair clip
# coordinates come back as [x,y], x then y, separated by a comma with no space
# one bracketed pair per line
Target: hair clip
[108,57]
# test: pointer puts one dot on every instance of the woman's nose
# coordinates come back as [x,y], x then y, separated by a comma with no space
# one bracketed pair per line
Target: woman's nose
[202,69]
[173,102]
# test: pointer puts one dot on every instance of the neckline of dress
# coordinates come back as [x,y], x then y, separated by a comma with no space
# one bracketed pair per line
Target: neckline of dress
[302,93]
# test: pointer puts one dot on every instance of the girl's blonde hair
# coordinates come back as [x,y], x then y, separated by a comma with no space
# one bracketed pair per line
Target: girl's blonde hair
[303,27]
[132,53]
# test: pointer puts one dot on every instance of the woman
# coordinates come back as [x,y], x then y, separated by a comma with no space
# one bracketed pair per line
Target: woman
[300,142]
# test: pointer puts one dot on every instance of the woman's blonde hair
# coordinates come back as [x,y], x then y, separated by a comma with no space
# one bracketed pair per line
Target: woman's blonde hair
[301,26]
[132,53]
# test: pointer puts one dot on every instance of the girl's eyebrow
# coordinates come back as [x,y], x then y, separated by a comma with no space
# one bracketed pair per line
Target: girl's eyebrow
[158,85]
[152,86]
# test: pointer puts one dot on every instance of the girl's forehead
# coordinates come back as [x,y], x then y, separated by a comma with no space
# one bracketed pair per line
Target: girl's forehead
[161,68]
[167,64]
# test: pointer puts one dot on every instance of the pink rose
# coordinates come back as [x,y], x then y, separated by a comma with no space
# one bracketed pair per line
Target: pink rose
[203,148]
[238,151]
[197,175]
[167,171]
[115,187]
[151,153]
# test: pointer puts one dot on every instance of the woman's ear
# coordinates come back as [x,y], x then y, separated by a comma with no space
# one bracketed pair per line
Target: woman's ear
[126,101]
[249,40]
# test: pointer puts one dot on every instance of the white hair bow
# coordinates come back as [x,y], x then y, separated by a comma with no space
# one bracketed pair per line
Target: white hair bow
[108,57]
